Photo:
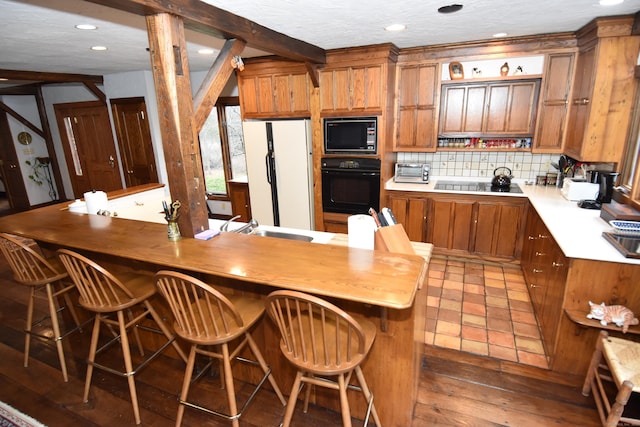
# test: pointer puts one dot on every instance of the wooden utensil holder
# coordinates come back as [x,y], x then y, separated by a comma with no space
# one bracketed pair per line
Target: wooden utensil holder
[393,238]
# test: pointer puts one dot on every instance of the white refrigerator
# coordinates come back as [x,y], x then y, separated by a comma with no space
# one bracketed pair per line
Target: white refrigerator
[280,172]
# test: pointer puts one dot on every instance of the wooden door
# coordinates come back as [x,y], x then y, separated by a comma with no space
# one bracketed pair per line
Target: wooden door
[89,149]
[411,213]
[449,223]
[10,171]
[134,141]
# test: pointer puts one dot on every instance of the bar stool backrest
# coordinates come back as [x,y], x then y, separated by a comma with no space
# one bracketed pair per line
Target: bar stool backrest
[99,290]
[202,314]
[27,264]
[316,335]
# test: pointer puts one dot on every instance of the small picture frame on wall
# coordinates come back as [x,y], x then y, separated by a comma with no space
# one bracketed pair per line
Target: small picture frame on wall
[456,72]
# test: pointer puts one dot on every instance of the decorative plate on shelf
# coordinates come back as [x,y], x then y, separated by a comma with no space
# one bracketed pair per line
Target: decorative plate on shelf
[626,227]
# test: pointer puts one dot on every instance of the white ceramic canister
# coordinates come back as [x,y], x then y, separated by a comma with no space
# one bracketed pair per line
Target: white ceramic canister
[78,206]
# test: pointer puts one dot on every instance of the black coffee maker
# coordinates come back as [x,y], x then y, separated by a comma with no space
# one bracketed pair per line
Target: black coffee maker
[607,182]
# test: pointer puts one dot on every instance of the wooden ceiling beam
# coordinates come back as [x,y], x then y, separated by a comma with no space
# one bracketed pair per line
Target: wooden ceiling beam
[50,77]
[207,19]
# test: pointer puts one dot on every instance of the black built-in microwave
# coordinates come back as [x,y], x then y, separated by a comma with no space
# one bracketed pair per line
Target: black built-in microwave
[351,135]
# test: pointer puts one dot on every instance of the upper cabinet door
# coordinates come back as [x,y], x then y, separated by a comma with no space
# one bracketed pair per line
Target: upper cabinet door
[490,108]
[416,117]
[352,89]
[554,103]
[279,90]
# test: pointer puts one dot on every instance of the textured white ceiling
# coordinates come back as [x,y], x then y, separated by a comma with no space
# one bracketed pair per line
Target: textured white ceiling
[39,35]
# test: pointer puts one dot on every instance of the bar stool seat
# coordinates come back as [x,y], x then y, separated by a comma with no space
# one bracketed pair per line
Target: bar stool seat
[617,361]
[42,275]
[107,296]
[322,342]
[206,318]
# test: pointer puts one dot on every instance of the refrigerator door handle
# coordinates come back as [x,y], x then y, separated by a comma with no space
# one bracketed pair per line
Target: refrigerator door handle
[267,163]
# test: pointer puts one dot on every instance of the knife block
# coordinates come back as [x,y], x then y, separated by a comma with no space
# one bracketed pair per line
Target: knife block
[393,238]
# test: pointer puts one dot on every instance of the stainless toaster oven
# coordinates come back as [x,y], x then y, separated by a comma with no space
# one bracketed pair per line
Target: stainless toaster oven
[412,173]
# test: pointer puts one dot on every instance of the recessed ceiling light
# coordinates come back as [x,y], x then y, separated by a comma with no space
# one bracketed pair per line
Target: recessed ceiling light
[206,51]
[86,27]
[98,48]
[395,27]
[450,8]
[500,35]
[610,2]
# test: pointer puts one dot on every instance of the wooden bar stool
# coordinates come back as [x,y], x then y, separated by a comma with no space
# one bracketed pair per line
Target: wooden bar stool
[321,341]
[617,361]
[107,296]
[31,268]
[205,318]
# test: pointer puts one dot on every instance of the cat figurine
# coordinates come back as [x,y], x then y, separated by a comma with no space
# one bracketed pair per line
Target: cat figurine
[618,314]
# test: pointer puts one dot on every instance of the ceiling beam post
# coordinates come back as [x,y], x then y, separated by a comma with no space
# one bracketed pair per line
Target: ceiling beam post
[170,67]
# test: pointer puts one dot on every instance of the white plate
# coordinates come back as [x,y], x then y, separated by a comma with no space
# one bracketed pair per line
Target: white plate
[626,227]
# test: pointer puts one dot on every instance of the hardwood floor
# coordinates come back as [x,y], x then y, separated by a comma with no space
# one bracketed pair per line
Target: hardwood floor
[456,389]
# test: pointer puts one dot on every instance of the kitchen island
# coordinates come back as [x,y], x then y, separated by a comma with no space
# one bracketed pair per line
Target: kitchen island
[382,286]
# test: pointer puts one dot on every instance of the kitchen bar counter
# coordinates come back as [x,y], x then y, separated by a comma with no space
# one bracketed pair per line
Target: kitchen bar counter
[577,231]
[382,286]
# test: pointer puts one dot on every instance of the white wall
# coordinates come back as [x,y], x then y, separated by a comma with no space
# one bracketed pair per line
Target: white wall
[26,107]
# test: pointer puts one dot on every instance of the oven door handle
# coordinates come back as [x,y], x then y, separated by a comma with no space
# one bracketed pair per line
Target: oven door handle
[351,172]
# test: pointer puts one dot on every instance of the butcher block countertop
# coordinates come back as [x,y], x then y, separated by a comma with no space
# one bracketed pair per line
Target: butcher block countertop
[334,270]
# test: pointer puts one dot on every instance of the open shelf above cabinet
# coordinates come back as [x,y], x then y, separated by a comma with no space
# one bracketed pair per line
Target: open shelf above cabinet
[492,79]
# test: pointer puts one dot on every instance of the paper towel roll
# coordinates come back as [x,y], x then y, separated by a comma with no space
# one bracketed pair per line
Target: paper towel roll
[96,201]
[361,229]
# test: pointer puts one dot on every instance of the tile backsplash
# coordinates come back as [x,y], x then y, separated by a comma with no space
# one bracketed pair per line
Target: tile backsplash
[523,165]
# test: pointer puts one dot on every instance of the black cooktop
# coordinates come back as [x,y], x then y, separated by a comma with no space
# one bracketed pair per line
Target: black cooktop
[474,186]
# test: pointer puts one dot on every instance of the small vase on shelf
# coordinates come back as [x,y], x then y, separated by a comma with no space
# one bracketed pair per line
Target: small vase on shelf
[504,70]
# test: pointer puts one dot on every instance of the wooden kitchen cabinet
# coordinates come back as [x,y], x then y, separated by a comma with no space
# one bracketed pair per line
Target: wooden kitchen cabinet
[603,90]
[352,89]
[410,211]
[499,223]
[417,107]
[274,88]
[358,81]
[240,201]
[489,108]
[554,103]
[545,269]
[483,226]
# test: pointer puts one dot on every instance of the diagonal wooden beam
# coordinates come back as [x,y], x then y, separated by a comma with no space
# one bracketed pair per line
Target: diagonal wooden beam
[18,117]
[202,17]
[214,82]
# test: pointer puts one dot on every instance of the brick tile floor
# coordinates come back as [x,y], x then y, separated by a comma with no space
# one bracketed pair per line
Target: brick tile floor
[483,309]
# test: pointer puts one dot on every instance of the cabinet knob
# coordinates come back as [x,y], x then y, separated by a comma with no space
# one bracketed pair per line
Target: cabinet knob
[539,254]
[581,101]
[557,264]
[537,270]
[542,236]
[533,285]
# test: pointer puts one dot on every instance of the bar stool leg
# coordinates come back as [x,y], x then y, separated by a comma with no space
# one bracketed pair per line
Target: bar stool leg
[265,368]
[622,398]
[53,312]
[593,365]
[186,382]
[293,397]
[92,356]
[367,395]
[344,402]
[128,365]
[27,329]
[228,379]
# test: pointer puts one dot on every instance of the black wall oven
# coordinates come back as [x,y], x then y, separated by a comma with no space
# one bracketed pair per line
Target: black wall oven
[350,185]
